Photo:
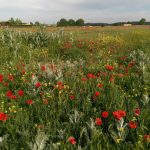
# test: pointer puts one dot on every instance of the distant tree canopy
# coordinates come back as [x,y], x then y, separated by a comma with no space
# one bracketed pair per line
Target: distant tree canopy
[80,22]
[37,23]
[62,22]
[70,22]
[12,21]
[142,21]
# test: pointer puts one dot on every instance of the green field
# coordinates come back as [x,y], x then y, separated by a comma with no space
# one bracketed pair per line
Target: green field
[75,88]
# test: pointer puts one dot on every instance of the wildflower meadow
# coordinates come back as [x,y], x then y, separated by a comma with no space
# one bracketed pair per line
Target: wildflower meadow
[72,89]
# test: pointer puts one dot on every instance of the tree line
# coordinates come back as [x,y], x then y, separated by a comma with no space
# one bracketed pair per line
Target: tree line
[18,22]
[140,22]
[70,22]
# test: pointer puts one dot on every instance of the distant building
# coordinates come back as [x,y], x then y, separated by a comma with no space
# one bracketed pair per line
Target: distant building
[127,25]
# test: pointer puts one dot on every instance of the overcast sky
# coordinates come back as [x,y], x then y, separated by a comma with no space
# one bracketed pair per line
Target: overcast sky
[50,11]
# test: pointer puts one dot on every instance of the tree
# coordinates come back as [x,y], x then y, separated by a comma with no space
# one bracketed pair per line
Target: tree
[31,23]
[71,22]
[80,22]
[62,22]
[11,21]
[18,22]
[37,23]
[142,21]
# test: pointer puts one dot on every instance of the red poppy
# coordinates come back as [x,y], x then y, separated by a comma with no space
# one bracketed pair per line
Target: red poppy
[10,77]
[29,102]
[100,85]
[122,113]
[147,138]
[3,116]
[119,114]
[110,68]
[60,86]
[91,76]
[105,114]
[43,68]
[72,97]
[98,75]
[98,121]
[59,83]
[84,79]
[38,84]
[20,92]
[1,78]
[137,111]
[132,125]
[72,140]
[9,93]
[97,93]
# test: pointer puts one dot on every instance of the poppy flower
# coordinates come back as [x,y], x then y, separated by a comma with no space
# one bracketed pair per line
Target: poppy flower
[132,125]
[119,114]
[100,85]
[1,78]
[98,121]
[137,112]
[105,114]
[84,79]
[109,68]
[59,83]
[97,94]
[147,138]
[122,113]
[9,93]
[29,102]
[20,92]
[38,84]
[43,68]
[59,86]
[72,140]
[91,76]
[3,116]
[10,77]
[72,97]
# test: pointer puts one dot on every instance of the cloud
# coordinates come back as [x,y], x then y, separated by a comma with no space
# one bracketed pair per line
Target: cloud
[50,11]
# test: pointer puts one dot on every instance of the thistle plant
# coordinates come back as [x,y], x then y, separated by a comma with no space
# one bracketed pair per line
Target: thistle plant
[119,131]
